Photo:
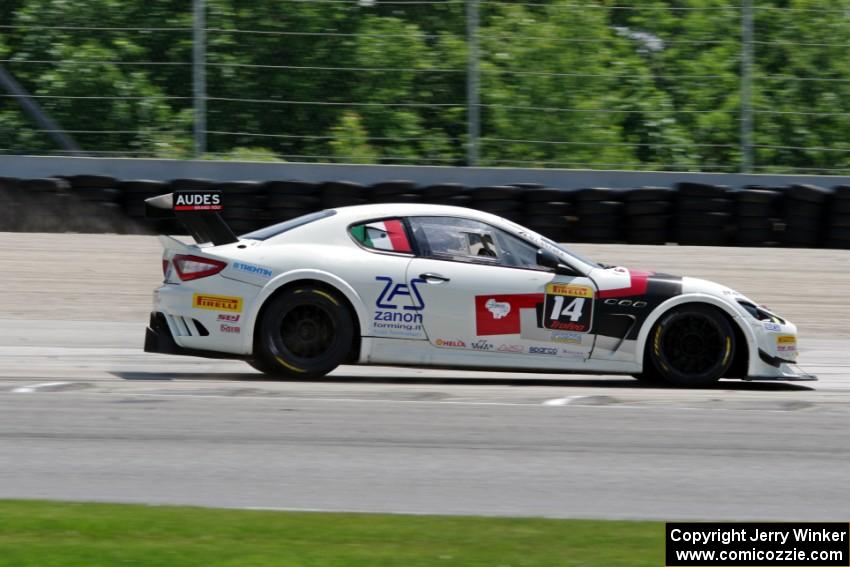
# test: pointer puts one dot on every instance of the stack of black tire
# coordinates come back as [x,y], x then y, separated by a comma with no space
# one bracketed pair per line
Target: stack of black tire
[98,199]
[600,215]
[502,200]
[758,213]
[838,235]
[9,203]
[805,216]
[451,194]
[648,215]
[547,211]
[244,205]
[394,192]
[134,193]
[341,194]
[47,205]
[287,200]
[703,215]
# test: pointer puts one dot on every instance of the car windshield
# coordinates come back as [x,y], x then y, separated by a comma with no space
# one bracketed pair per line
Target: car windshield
[535,237]
[281,227]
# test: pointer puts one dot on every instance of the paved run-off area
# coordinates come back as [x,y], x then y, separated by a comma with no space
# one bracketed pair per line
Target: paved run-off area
[84,414]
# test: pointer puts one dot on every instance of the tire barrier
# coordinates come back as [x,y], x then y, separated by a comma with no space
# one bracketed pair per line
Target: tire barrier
[688,213]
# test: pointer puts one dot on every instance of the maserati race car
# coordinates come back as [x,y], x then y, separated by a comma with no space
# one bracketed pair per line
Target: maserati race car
[431,285]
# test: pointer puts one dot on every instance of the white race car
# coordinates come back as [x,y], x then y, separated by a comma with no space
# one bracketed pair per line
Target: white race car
[429,285]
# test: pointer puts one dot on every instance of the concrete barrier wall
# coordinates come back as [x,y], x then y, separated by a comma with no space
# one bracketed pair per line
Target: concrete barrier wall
[28,167]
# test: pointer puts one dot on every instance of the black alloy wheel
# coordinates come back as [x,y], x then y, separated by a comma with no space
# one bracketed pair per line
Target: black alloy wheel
[691,346]
[305,332]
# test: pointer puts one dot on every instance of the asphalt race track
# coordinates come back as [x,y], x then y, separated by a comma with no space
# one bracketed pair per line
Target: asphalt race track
[85,415]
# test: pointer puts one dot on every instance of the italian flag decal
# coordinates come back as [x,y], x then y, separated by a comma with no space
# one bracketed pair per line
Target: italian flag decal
[383,235]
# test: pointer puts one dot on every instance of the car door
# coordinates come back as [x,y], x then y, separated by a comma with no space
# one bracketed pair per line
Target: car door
[380,279]
[483,291]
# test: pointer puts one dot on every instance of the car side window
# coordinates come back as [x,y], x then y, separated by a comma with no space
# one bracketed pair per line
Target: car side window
[466,240]
[388,235]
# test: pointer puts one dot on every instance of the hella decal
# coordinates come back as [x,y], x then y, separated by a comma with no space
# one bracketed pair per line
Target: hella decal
[450,343]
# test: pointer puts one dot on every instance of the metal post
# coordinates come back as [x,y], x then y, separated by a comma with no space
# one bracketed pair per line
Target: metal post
[199,77]
[472,102]
[746,85]
[34,110]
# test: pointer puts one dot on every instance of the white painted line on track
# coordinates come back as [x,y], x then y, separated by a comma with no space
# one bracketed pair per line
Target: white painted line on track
[35,387]
[562,401]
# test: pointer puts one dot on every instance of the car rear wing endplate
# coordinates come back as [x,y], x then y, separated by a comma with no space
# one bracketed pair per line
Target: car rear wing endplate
[198,210]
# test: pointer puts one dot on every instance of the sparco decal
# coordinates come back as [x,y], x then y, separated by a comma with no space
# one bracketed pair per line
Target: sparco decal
[217,302]
[542,350]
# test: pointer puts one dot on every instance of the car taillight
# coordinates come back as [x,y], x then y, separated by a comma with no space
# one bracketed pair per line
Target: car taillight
[194,267]
[164,267]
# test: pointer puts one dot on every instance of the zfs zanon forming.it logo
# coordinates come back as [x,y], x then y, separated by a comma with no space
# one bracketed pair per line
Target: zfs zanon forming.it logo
[399,302]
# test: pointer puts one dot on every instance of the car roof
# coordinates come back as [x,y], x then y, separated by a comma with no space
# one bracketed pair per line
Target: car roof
[366,212]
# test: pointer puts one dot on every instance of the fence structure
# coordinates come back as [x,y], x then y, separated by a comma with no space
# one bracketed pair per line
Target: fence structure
[757,86]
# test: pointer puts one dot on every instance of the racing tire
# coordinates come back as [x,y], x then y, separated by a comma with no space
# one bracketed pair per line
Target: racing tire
[648,194]
[305,332]
[644,208]
[690,347]
[757,196]
[545,196]
[690,189]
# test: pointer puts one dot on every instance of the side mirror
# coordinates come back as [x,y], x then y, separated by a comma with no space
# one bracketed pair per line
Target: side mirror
[549,260]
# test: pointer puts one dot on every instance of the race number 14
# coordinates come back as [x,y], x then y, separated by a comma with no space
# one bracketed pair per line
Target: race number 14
[568,308]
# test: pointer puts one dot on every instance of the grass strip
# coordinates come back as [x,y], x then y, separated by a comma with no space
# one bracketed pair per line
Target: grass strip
[47,534]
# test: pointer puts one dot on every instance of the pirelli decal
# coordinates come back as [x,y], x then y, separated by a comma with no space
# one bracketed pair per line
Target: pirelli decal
[217,302]
[569,290]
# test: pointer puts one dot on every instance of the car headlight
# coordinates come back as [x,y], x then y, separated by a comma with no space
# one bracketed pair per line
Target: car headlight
[760,313]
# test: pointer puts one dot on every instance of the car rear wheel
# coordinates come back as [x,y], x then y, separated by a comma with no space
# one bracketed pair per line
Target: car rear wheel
[305,332]
[691,346]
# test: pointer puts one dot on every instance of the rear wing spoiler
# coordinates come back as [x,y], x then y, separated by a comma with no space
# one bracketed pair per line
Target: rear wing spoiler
[197,210]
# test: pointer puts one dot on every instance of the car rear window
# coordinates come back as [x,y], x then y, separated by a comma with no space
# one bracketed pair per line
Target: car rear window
[387,234]
[285,226]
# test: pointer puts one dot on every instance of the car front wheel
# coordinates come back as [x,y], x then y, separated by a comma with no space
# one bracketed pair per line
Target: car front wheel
[691,346]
